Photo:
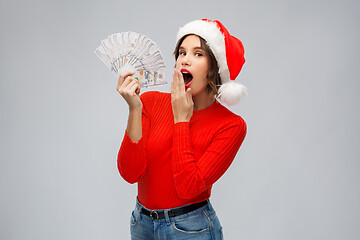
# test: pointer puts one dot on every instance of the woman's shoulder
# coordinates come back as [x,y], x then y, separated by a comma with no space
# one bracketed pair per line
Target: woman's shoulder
[153,95]
[225,112]
[224,115]
[152,98]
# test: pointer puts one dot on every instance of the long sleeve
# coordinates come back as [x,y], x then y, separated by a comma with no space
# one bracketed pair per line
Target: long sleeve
[132,157]
[193,176]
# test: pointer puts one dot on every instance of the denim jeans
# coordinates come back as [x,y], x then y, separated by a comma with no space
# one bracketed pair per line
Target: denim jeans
[201,223]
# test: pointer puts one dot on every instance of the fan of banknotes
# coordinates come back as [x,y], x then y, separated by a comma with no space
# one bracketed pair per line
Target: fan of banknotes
[136,52]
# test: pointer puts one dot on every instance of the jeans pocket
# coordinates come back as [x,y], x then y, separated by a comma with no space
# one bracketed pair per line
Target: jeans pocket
[194,224]
[134,219]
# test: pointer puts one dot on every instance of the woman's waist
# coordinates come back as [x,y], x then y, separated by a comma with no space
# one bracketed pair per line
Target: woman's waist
[168,200]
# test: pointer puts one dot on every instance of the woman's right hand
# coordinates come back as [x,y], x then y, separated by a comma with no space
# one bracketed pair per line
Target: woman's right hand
[129,89]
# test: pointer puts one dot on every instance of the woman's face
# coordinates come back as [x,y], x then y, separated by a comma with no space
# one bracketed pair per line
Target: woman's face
[193,63]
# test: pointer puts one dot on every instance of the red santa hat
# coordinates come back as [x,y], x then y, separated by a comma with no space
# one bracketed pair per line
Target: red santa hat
[228,51]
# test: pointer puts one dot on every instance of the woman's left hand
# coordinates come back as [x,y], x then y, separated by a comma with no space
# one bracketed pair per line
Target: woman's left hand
[181,99]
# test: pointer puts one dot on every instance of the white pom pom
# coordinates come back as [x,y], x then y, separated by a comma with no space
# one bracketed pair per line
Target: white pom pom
[232,93]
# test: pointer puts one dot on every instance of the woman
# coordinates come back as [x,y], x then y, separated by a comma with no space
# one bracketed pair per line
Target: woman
[176,146]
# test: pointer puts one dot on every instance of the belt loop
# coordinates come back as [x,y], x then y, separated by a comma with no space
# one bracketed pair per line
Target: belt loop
[166,213]
[138,206]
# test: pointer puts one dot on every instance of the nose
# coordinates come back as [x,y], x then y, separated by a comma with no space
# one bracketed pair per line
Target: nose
[185,60]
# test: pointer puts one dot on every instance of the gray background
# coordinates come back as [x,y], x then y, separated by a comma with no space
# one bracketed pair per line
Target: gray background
[295,177]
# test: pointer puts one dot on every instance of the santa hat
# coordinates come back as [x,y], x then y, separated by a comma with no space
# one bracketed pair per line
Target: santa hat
[228,51]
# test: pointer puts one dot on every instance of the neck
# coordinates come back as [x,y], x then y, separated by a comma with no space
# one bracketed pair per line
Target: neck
[202,101]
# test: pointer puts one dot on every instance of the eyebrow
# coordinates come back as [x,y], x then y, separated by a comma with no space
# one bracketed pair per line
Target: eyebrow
[195,48]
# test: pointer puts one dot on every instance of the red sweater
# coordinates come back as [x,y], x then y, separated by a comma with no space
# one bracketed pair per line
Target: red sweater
[177,164]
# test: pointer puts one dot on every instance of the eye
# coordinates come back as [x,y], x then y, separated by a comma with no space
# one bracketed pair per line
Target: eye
[182,53]
[198,54]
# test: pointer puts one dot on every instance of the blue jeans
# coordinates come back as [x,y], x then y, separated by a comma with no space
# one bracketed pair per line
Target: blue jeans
[201,223]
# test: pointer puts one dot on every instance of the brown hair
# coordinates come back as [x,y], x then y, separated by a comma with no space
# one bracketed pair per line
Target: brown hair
[213,75]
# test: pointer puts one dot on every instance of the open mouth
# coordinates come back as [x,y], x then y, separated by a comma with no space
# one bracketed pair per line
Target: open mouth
[187,77]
